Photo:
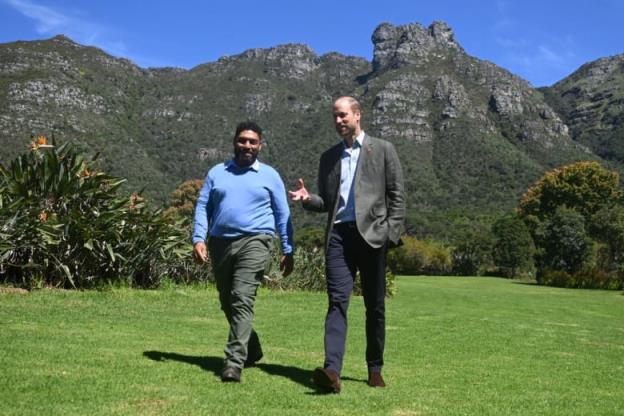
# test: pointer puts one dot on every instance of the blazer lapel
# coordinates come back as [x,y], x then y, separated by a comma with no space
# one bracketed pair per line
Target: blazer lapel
[334,174]
[365,160]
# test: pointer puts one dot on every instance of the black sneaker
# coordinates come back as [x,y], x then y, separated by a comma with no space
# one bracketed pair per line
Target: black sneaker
[254,350]
[252,359]
[231,374]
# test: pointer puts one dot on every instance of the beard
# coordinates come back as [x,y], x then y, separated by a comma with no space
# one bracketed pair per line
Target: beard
[345,131]
[244,159]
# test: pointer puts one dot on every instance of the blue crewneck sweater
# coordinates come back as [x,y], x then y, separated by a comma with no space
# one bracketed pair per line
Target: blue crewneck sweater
[236,202]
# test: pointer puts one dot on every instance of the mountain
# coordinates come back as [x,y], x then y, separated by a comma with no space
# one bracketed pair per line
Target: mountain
[591,101]
[471,135]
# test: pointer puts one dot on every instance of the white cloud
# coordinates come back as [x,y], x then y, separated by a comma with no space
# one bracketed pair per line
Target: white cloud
[47,20]
[541,57]
[507,42]
[545,63]
[547,55]
[50,22]
[78,26]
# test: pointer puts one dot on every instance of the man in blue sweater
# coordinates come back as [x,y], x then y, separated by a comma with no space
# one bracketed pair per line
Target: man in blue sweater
[241,207]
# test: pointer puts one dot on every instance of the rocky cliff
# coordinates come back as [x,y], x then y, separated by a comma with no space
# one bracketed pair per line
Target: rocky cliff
[591,101]
[471,135]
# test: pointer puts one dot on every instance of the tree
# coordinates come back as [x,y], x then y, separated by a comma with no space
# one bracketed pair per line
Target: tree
[607,227]
[583,186]
[566,245]
[471,252]
[513,247]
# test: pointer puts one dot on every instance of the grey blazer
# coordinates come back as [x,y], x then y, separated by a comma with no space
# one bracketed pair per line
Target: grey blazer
[379,191]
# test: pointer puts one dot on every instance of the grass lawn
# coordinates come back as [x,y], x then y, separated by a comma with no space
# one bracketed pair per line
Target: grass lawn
[455,346]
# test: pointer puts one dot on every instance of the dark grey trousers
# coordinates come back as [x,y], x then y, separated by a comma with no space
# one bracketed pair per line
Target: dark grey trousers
[239,265]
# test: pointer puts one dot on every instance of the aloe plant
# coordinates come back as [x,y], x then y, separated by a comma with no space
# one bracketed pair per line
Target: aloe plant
[63,223]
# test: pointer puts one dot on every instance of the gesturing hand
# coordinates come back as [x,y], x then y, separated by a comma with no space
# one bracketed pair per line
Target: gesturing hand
[300,194]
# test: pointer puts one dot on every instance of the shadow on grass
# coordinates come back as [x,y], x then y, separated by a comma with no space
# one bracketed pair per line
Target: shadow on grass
[211,364]
[215,365]
[296,374]
[525,282]
[299,375]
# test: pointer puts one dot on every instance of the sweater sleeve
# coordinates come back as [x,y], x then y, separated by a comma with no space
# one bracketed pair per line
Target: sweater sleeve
[281,211]
[203,212]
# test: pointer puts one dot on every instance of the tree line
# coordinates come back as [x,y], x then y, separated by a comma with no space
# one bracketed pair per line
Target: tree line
[64,223]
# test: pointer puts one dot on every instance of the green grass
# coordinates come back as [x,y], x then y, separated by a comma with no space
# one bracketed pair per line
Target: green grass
[455,346]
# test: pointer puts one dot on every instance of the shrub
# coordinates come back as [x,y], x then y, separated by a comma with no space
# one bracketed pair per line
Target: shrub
[557,278]
[309,274]
[310,238]
[471,253]
[416,257]
[409,258]
[184,198]
[586,278]
[65,225]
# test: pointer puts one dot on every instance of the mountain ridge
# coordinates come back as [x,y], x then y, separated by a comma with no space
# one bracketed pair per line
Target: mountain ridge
[471,135]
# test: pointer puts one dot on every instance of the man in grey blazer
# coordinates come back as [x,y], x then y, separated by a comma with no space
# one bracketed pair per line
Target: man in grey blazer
[360,186]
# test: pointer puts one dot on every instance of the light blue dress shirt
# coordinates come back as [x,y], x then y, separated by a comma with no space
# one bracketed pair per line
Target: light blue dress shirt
[348,166]
[236,202]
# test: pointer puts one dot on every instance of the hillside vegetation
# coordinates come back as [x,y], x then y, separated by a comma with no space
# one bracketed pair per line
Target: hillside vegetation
[471,136]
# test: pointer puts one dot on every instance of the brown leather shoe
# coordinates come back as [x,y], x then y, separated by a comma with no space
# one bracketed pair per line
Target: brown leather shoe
[375,379]
[326,379]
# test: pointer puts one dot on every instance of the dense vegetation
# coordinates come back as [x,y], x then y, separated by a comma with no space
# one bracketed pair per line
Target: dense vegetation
[568,230]
[573,215]
[65,224]
[471,136]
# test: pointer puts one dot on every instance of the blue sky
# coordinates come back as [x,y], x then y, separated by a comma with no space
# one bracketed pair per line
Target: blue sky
[541,41]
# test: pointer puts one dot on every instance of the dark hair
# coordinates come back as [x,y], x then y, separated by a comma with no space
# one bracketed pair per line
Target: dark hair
[248,125]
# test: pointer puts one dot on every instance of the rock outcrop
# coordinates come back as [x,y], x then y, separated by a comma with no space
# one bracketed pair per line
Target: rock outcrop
[471,135]
[591,101]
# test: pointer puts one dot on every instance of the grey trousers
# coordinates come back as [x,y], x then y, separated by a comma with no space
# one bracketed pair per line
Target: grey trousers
[238,265]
